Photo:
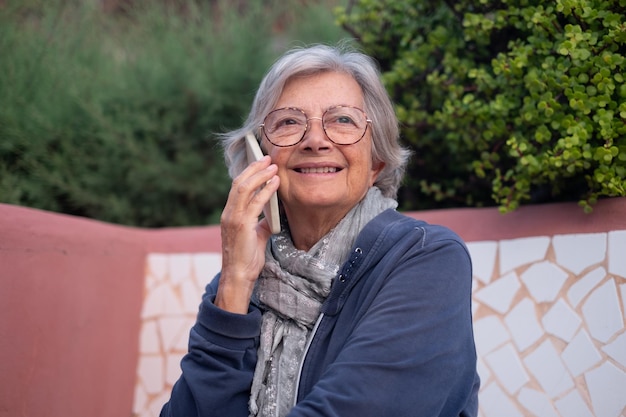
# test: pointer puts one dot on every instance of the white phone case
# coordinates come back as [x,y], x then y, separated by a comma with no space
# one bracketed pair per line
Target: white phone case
[254,153]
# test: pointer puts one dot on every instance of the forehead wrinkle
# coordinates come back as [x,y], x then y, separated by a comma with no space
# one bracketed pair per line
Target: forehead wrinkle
[338,92]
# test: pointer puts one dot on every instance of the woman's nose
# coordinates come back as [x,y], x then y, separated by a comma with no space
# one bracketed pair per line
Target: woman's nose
[315,135]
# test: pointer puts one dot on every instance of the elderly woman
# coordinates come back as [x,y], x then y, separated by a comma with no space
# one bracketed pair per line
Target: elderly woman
[352,309]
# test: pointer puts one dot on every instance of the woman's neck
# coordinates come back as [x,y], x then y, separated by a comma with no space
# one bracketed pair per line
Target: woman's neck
[308,228]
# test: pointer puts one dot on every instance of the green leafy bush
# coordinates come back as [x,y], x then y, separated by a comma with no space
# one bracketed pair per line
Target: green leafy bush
[503,102]
[112,115]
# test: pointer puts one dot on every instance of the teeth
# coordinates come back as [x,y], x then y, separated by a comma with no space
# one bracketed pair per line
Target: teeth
[323,170]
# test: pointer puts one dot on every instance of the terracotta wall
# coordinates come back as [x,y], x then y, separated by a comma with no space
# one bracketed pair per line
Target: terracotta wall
[71,293]
[94,317]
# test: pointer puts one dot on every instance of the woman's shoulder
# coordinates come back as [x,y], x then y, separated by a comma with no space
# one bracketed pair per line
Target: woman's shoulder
[397,225]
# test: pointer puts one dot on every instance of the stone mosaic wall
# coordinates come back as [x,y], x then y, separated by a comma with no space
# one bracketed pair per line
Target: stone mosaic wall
[549,315]
[549,325]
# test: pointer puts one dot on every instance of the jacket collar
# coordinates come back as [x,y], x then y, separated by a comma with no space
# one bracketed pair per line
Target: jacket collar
[374,241]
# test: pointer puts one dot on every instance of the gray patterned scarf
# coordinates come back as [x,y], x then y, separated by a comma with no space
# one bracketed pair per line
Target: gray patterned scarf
[291,288]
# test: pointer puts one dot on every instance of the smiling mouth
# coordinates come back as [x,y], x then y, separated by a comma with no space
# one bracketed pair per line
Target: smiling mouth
[320,170]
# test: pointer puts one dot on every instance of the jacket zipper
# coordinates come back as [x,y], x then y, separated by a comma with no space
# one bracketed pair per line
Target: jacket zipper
[306,351]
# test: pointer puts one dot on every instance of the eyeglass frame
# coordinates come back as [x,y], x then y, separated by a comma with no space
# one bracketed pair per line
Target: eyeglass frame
[368,122]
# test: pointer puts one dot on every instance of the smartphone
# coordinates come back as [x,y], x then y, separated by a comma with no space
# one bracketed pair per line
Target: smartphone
[253,150]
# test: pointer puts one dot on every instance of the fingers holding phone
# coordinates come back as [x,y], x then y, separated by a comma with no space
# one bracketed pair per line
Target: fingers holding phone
[270,210]
[244,238]
[249,195]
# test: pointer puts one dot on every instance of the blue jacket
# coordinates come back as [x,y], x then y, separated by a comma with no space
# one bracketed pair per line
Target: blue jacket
[394,339]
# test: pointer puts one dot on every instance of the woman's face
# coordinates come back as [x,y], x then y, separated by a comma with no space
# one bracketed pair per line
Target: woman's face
[317,176]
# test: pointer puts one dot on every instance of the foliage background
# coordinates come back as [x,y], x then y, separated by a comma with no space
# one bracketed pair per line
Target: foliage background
[503,101]
[112,115]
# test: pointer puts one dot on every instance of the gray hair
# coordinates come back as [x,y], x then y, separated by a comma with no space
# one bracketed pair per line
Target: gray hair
[317,59]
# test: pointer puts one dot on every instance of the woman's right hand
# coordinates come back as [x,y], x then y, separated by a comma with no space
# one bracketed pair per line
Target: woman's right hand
[244,237]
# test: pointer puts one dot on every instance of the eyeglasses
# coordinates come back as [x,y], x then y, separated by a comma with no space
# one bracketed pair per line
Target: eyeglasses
[343,125]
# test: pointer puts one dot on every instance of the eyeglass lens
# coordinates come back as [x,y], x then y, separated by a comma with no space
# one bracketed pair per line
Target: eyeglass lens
[343,125]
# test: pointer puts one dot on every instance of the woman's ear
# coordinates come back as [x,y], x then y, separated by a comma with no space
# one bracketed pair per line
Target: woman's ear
[377,168]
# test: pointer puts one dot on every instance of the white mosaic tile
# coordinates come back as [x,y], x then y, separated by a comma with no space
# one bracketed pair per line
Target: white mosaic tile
[622,289]
[172,367]
[475,303]
[172,304]
[617,349]
[181,342]
[607,388]
[158,265]
[180,268]
[170,329]
[544,281]
[489,333]
[149,338]
[140,399]
[191,297]
[506,365]
[149,282]
[523,324]
[573,405]
[499,294]
[576,252]
[150,372]
[154,409]
[602,312]
[206,266]
[169,310]
[617,253]
[483,370]
[483,256]
[495,403]
[161,300]
[582,287]
[546,365]
[537,403]
[580,354]
[561,321]
[518,252]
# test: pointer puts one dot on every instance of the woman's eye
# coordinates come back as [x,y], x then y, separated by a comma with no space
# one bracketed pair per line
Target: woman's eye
[341,120]
[287,122]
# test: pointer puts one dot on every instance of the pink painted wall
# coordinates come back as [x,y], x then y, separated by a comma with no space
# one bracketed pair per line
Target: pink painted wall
[71,293]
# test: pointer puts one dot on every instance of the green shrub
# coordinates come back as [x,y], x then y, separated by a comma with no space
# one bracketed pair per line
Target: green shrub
[504,102]
[112,116]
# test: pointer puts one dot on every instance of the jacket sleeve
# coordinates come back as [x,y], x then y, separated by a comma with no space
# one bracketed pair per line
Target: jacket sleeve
[411,349]
[218,368]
